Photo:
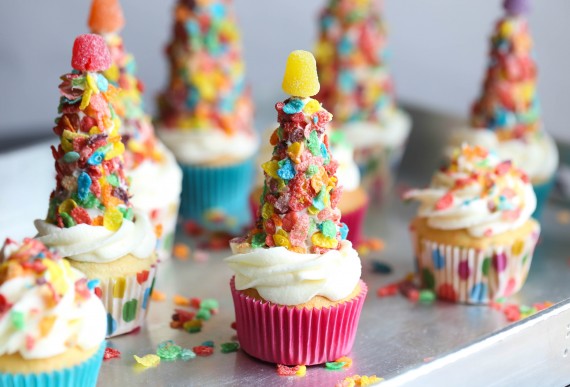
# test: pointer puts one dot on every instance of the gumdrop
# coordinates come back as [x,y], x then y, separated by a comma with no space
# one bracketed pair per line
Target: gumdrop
[90,53]
[106,16]
[300,78]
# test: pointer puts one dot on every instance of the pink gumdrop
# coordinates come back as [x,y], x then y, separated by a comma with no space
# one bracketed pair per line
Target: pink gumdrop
[90,53]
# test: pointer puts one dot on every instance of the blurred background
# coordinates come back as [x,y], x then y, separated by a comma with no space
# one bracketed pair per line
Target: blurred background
[438,49]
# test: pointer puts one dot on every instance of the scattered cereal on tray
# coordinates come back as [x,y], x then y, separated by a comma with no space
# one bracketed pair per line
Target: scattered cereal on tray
[359,381]
[181,251]
[111,353]
[150,360]
[283,370]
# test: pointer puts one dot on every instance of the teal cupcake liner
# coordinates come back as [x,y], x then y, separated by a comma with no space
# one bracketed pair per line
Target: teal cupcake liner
[216,197]
[542,192]
[84,374]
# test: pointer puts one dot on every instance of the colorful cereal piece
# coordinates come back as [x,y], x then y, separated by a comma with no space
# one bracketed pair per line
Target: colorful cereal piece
[283,370]
[112,219]
[168,350]
[146,361]
[111,353]
[203,350]
[229,347]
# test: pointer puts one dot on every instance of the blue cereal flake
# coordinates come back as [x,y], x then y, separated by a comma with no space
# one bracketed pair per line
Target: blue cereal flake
[83,185]
[102,82]
[294,105]
[319,200]
[96,158]
[328,228]
[343,231]
[92,284]
[286,170]
[325,154]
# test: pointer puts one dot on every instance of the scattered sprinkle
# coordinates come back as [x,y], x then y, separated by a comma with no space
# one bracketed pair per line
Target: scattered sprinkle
[111,353]
[150,360]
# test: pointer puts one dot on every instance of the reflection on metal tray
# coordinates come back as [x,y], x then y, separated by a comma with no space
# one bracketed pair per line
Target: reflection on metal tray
[405,343]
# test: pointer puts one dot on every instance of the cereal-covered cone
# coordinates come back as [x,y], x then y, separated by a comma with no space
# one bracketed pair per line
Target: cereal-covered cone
[509,104]
[156,179]
[352,58]
[357,88]
[300,195]
[91,187]
[91,220]
[206,90]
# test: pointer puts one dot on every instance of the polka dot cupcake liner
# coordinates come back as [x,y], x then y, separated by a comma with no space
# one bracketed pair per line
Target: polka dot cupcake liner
[378,167]
[126,300]
[475,276]
[164,221]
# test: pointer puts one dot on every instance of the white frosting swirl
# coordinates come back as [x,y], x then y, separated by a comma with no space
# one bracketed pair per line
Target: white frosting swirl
[392,134]
[86,243]
[484,207]
[154,184]
[196,147]
[537,155]
[81,323]
[288,278]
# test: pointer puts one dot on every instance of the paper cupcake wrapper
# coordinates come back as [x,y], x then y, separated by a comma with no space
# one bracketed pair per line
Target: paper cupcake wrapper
[287,335]
[166,218]
[542,192]
[217,197]
[473,276]
[84,374]
[126,300]
[378,167]
[355,222]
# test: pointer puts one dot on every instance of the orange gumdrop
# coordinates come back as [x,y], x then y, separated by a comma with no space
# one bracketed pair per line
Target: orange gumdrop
[106,16]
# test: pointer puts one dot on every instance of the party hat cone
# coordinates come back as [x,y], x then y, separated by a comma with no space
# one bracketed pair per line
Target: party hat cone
[156,179]
[509,104]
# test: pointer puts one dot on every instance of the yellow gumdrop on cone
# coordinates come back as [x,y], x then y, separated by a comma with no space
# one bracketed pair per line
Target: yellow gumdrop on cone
[300,78]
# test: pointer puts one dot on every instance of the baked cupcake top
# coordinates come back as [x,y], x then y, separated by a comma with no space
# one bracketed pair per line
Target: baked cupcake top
[477,192]
[46,307]
[205,112]
[90,215]
[298,248]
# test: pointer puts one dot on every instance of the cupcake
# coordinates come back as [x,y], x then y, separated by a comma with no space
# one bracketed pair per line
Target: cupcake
[155,177]
[52,326]
[91,220]
[297,290]
[506,117]
[474,236]
[205,116]
[357,88]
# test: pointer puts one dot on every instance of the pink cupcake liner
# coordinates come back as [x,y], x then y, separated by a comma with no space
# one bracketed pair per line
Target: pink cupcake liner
[286,335]
[474,276]
[354,220]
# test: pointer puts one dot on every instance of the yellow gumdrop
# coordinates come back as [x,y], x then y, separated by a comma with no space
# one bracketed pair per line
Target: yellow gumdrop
[300,78]
[117,150]
[320,240]
[112,219]
[66,206]
[150,360]
[271,168]
[282,239]
[312,106]
[267,210]
[295,150]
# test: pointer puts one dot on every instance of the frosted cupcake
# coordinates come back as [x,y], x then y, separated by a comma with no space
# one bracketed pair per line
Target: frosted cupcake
[357,88]
[155,177]
[91,220]
[52,326]
[205,115]
[506,117]
[297,290]
[474,237]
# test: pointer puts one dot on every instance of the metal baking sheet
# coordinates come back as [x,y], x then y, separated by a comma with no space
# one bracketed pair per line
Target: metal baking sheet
[407,344]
